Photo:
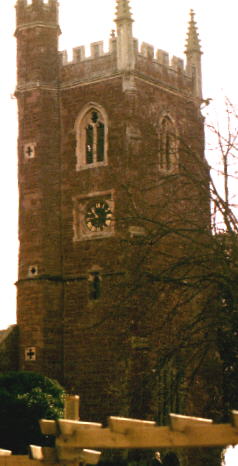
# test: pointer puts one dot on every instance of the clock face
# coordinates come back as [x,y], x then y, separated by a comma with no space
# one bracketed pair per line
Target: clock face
[98,216]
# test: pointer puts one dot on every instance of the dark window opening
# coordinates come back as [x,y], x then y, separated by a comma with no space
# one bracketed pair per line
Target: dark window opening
[168,146]
[100,142]
[94,286]
[94,117]
[29,151]
[89,144]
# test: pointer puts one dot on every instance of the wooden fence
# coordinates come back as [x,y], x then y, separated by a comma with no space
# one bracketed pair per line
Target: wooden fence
[76,441]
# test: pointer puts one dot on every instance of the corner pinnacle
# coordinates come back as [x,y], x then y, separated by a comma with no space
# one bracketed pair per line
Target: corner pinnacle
[123,11]
[193,42]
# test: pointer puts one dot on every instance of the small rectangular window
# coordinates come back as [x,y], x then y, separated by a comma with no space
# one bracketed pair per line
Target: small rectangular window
[94,286]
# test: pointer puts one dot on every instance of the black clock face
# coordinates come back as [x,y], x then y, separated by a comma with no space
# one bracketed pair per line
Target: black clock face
[98,216]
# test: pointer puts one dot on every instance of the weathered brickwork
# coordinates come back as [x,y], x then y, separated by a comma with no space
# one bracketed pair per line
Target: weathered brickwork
[80,303]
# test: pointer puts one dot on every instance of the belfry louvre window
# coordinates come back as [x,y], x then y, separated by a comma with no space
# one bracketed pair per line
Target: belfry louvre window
[168,161]
[91,130]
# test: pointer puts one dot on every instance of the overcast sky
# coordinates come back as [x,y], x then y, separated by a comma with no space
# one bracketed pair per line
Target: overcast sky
[161,23]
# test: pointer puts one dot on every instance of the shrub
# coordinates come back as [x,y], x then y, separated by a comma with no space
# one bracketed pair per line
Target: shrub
[26,397]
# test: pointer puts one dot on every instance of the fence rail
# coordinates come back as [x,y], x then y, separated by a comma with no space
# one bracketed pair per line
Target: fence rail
[76,441]
[73,438]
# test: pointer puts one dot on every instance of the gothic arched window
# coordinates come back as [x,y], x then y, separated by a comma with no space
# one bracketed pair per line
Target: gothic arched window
[168,161]
[91,133]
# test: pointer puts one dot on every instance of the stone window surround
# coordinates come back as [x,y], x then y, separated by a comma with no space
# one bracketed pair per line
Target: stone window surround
[33,271]
[174,161]
[80,203]
[29,150]
[80,136]
[30,353]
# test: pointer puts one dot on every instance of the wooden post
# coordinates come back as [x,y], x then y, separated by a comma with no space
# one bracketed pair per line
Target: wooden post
[71,411]
[71,407]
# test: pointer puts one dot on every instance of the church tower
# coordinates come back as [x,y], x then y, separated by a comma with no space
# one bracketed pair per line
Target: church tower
[100,159]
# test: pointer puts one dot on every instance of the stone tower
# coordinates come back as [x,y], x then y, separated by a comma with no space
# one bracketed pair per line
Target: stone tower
[98,137]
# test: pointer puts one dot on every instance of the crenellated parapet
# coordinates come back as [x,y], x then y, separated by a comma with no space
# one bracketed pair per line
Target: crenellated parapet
[32,12]
[97,50]
[154,64]
[161,57]
[37,23]
[146,50]
[158,66]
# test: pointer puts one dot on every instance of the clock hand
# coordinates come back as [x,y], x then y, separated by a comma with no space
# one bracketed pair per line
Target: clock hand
[94,212]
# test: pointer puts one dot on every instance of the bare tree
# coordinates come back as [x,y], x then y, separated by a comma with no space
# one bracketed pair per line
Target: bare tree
[183,271]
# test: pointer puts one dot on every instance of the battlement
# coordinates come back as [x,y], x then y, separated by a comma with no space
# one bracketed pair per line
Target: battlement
[79,53]
[156,64]
[38,3]
[146,50]
[161,57]
[32,11]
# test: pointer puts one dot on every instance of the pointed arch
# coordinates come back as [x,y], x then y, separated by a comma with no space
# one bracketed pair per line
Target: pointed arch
[168,145]
[91,129]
